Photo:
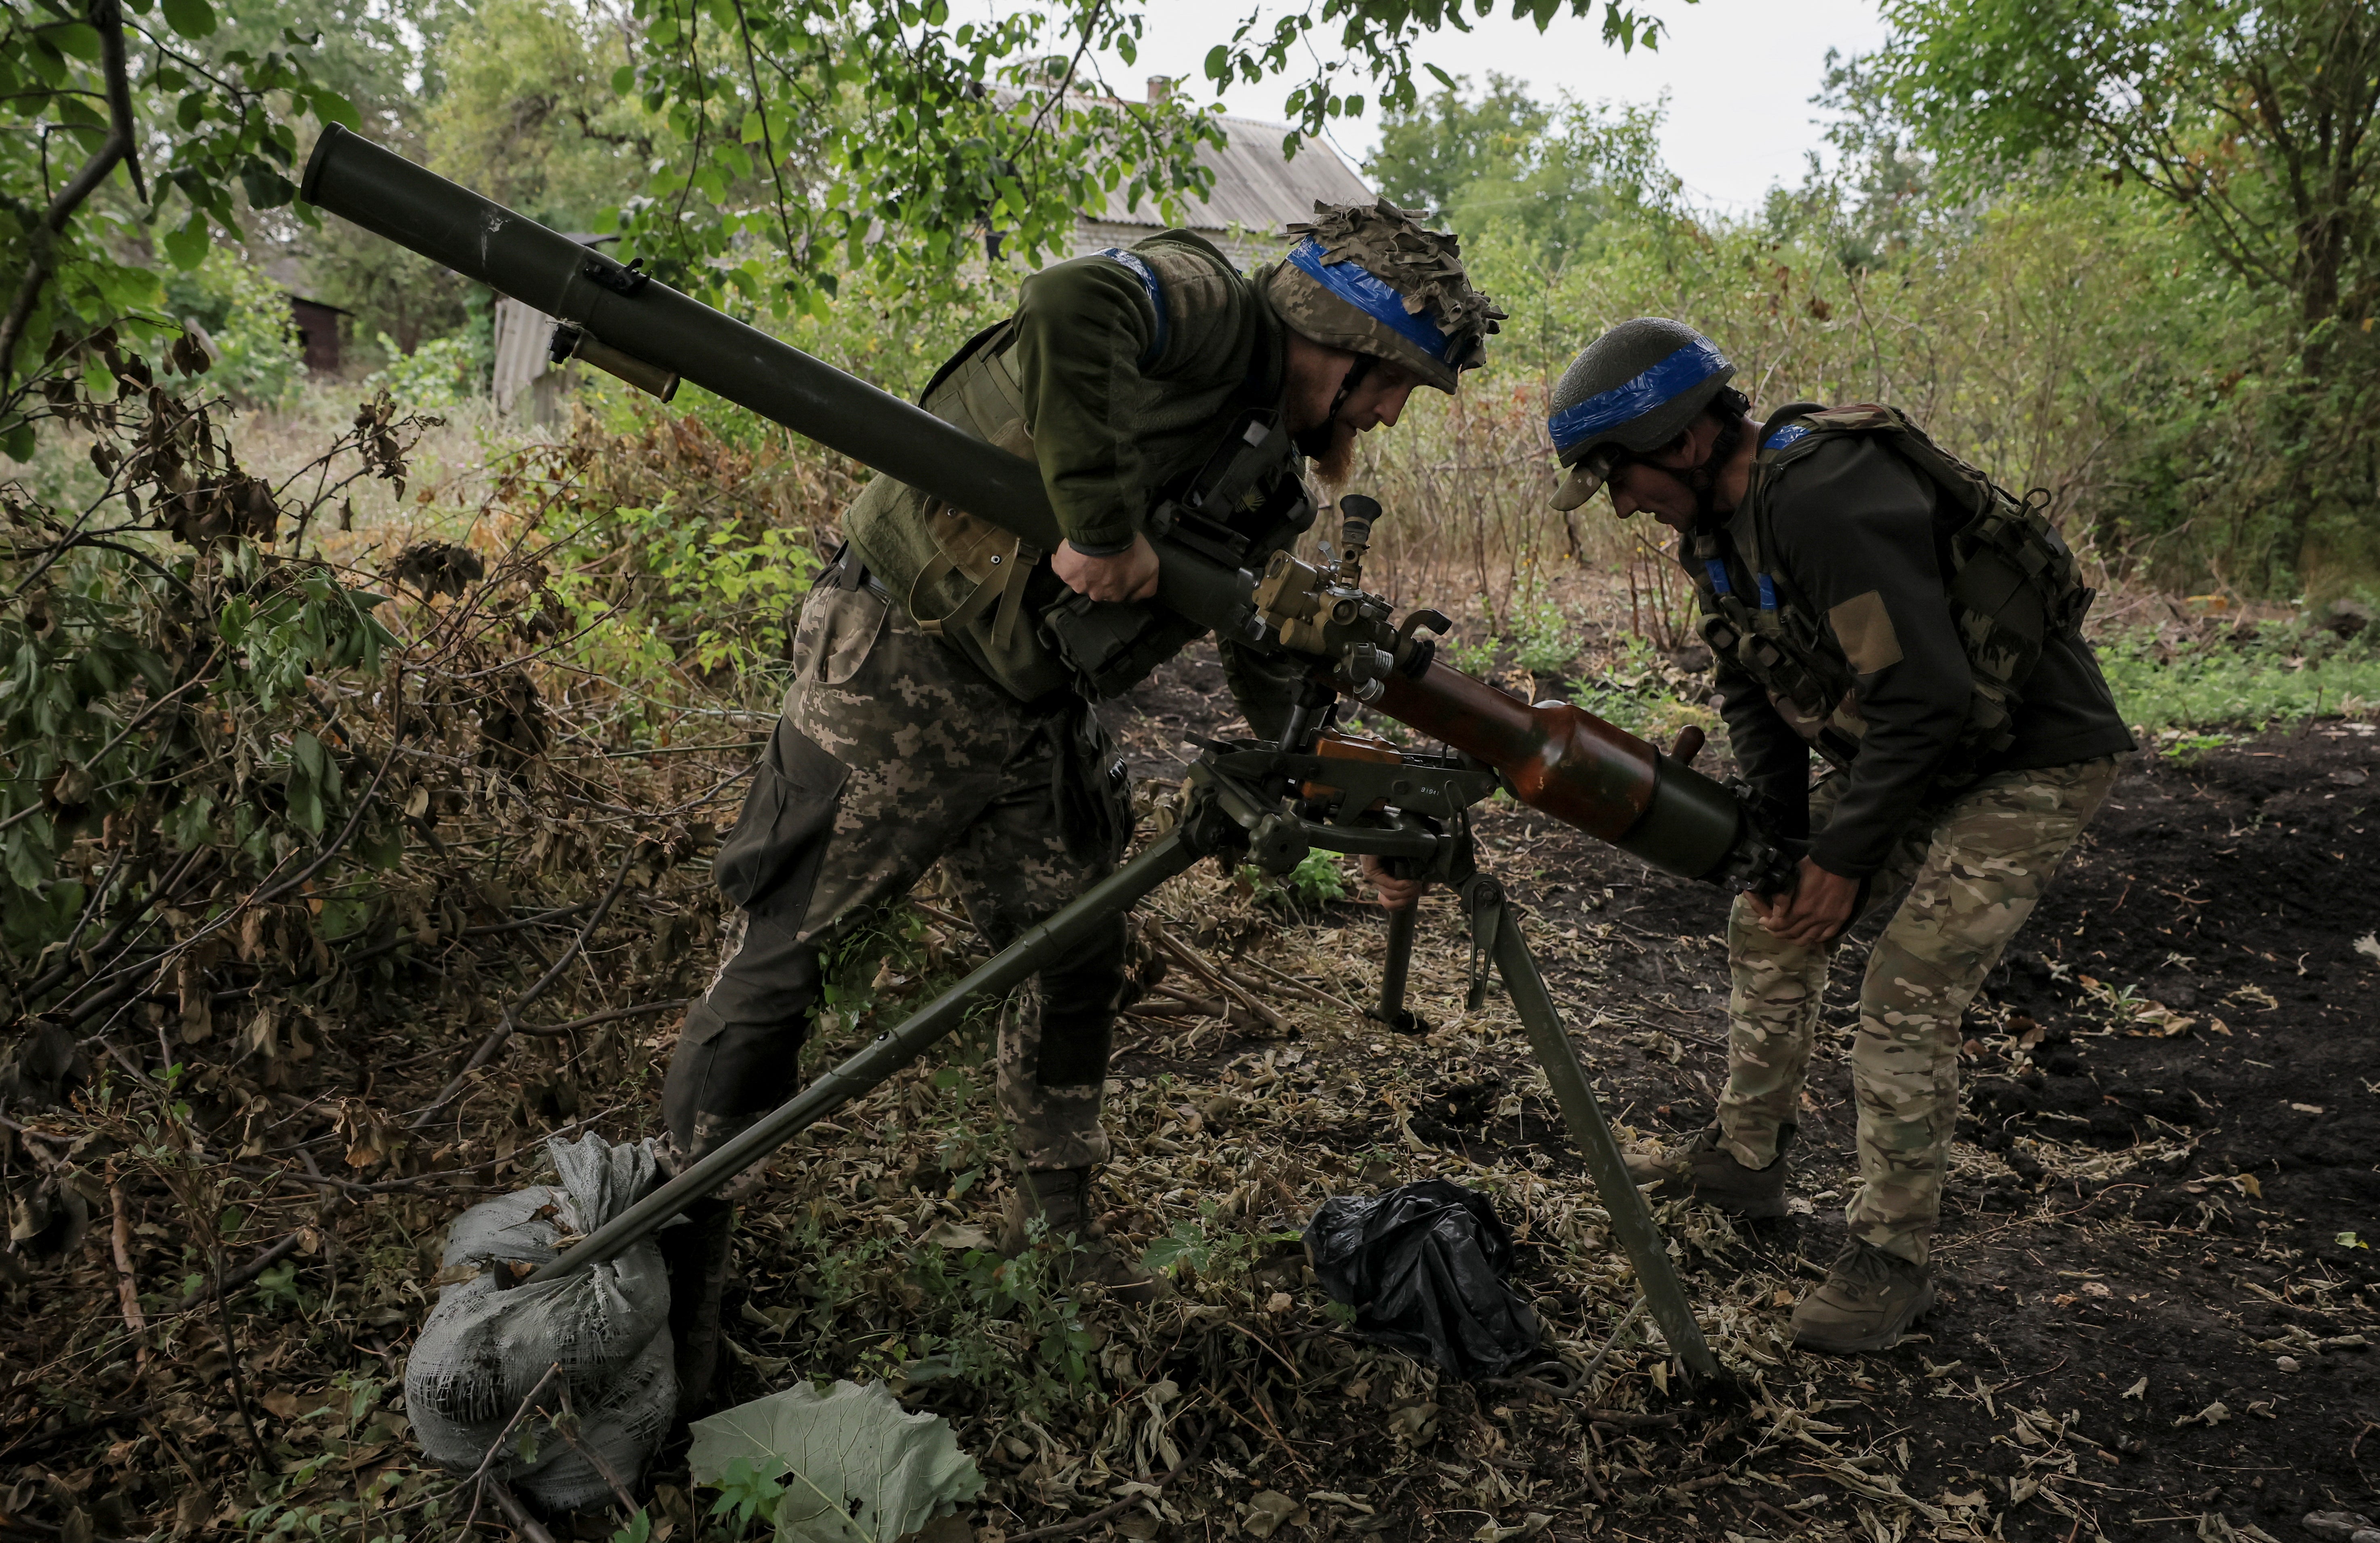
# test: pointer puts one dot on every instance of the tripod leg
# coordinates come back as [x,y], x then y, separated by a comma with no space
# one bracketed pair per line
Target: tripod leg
[886,1055]
[1392,1010]
[1632,1220]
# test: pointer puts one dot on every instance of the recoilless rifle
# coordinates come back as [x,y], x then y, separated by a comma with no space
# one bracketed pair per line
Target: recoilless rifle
[1270,804]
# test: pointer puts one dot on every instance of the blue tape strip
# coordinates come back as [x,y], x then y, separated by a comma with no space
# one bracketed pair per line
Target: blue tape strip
[1786,436]
[1767,593]
[1717,571]
[1148,277]
[1606,411]
[1372,294]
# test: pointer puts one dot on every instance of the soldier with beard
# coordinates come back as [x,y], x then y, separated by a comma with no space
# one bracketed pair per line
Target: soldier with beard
[944,671]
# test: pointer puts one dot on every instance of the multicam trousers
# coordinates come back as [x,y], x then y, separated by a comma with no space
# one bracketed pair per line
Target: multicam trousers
[893,753]
[1974,873]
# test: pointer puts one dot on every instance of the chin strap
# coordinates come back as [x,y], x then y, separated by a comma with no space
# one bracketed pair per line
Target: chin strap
[1316,441]
[1704,478]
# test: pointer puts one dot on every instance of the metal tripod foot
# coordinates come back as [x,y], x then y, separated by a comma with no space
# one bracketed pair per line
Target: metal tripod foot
[1632,1220]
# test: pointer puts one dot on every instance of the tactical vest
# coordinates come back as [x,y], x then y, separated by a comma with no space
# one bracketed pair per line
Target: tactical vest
[1231,485]
[2012,581]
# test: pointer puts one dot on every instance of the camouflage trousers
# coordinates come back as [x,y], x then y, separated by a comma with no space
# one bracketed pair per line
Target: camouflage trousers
[1974,872]
[893,754]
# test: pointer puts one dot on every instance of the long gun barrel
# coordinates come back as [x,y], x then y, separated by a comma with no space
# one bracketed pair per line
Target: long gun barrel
[1570,763]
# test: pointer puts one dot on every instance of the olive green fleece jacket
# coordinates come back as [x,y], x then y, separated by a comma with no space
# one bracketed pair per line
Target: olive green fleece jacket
[1119,374]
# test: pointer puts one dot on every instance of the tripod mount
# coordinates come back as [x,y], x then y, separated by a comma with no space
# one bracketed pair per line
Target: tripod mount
[1269,805]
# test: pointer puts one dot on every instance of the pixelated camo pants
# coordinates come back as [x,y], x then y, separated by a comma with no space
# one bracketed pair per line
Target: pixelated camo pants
[1972,874]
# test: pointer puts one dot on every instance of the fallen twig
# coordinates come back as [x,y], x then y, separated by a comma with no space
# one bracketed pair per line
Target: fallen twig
[643,1009]
[504,1029]
[1312,994]
[1192,961]
[231,1279]
[514,1512]
[1586,1377]
[127,1288]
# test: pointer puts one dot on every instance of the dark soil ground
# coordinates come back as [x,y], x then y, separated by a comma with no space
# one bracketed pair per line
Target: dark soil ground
[2156,1287]
[2153,1325]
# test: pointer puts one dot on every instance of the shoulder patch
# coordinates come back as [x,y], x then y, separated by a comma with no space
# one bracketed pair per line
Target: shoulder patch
[1864,630]
[1147,277]
[1785,436]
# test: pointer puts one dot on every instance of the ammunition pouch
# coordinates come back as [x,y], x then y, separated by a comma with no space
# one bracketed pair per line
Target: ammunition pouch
[2011,582]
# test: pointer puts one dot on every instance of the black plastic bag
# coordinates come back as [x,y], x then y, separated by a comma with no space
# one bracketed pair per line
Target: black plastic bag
[1424,1266]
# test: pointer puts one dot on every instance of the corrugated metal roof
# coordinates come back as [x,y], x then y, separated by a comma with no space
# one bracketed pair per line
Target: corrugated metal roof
[1256,187]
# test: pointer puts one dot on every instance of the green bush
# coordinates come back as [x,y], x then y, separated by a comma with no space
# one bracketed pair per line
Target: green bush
[444,373]
[258,358]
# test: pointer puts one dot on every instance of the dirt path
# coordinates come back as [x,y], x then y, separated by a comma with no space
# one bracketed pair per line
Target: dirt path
[2156,1301]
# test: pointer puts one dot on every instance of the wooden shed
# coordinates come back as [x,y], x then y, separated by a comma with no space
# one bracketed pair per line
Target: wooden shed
[317,325]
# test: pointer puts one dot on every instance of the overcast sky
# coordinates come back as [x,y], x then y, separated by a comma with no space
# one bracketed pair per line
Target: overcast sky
[1739,73]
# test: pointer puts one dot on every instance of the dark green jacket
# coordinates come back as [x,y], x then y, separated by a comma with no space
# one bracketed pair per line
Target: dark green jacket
[1856,540]
[1119,374]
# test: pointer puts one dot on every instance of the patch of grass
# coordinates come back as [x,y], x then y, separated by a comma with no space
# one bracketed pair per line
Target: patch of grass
[2242,677]
[1639,691]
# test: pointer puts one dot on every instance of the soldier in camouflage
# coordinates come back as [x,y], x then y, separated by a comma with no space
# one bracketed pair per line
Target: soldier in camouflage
[1868,596]
[941,704]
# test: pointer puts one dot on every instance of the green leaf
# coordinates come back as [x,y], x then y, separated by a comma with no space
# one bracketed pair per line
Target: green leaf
[330,107]
[188,246]
[624,79]
[857,1468]
[79,40]
[267,187]
[192,19]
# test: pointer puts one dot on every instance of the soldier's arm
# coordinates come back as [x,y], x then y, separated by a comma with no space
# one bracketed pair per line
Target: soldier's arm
[1854,530]
[1264,685]
[1085,328]
[1774,759]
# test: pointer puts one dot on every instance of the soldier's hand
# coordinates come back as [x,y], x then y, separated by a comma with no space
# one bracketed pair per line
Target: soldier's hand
[1818,907]
[1395,894]
[1127,575]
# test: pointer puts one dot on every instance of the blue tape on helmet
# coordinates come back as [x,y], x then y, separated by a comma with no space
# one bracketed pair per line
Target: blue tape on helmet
[1374,296]
[1148,277]
[1786,436]
[1606,411]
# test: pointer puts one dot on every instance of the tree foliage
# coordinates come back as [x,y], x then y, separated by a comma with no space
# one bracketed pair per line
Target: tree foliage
[107,104]
[2258,115]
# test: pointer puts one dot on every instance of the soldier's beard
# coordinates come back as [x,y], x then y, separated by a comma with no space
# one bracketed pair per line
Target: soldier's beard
[1331,459]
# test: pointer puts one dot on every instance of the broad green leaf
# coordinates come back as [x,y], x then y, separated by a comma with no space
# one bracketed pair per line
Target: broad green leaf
[192,19]
[78,39]
[858,1468]
[188,246]
[330,107]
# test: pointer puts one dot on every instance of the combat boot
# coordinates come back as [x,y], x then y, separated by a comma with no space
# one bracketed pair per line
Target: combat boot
[1061,1199]
[1702,1170]
[1869,1300]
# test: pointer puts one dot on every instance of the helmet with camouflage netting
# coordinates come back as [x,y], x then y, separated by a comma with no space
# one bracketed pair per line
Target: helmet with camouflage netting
[1630,392]
[1370,279]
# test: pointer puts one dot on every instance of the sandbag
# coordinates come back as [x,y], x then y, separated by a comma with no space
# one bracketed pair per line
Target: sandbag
[602,1334]
[1424,1266]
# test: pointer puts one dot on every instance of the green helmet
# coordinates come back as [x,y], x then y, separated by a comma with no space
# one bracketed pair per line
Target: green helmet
[1632,389]
[1368,278]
